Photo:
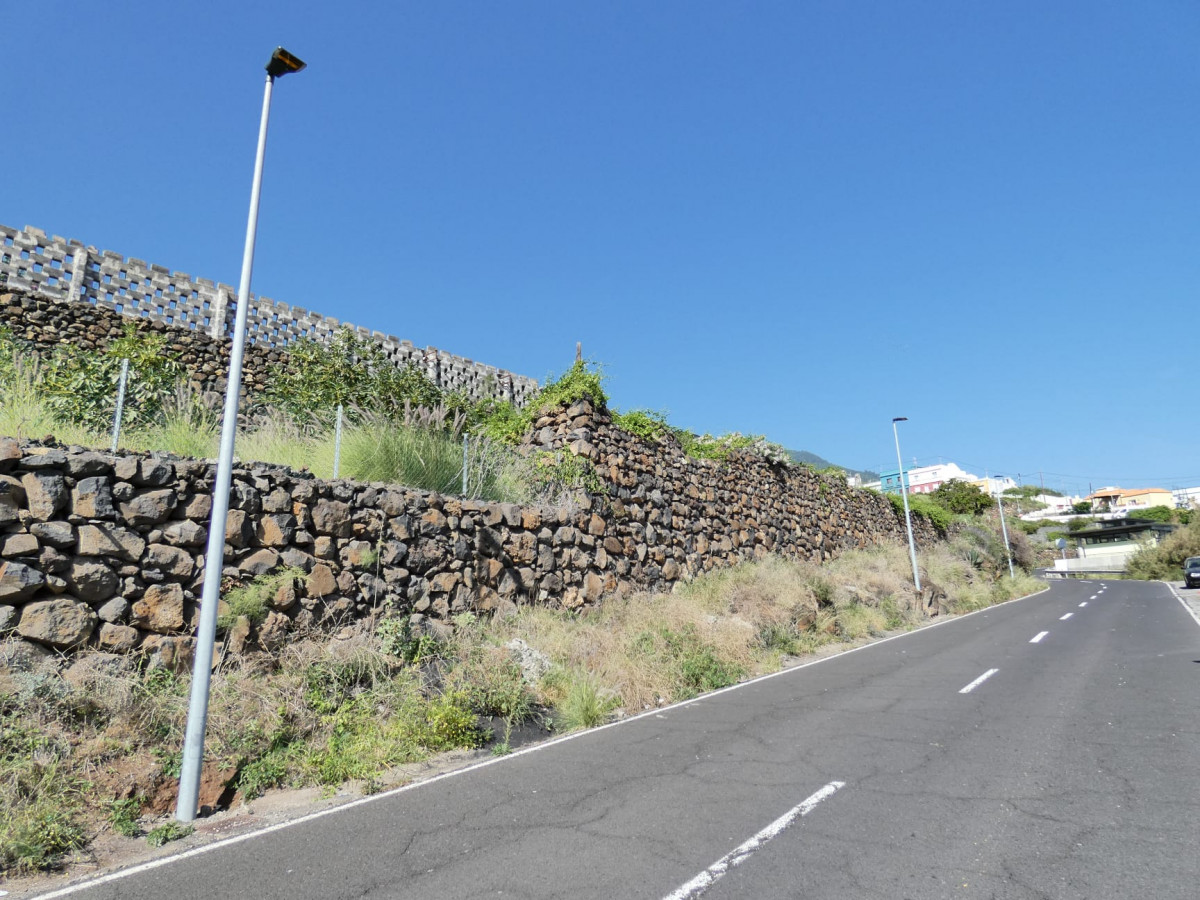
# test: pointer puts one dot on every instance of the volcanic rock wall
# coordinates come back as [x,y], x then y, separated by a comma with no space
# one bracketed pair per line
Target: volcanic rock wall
[107,551]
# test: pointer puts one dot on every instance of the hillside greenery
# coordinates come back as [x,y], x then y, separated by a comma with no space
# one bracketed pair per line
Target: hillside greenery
[399,426]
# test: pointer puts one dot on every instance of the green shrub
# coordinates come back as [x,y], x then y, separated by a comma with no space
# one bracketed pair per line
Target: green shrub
[271,768]
[924,505]
[507,424]
[171,831]
[894,618]
[1154,514]
[123,816]
[778,636]
[585,704]
[398,639]
[558,472]
[646,424]
[315,377]
[705,446]
[502,422]
[330,684]
[583,381]
[253,600]
[1165,561]
[697,666]
[452,724]
[81,386]
[39,812]
[959,496]
[382,450]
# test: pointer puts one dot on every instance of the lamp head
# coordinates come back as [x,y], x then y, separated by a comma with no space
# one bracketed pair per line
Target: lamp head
[900,419]
[282,63]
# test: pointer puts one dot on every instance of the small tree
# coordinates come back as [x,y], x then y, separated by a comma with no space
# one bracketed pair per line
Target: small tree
[1154,514]
[962,497]
[1082,508]
[81,386]
[351,371]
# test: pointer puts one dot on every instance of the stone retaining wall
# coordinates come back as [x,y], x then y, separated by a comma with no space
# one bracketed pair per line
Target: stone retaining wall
[45,323]
[107,551]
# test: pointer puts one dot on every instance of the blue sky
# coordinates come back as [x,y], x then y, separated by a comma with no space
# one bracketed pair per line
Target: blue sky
[791,218]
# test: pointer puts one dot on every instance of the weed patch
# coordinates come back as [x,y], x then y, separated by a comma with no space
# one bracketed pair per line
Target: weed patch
[164,834]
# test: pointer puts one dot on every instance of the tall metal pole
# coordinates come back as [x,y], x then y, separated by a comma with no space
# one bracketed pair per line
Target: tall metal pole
[116,429]
[912,545]
[214,556]
[1004,531]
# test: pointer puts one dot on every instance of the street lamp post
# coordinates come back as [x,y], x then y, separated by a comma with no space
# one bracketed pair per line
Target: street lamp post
[280,64]
[1004,531]
[912,546]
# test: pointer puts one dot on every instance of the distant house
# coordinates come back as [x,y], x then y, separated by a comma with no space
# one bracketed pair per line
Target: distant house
[1115,499]
[923,479]
[889,481]
[994,485]
[1055,505]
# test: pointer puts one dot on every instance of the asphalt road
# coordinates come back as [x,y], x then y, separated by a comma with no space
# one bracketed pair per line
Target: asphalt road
[1067,769]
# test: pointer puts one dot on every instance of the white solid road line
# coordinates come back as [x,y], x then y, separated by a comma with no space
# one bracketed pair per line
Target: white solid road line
[978,681]
[740,854]
[1037,638]
[1064,618]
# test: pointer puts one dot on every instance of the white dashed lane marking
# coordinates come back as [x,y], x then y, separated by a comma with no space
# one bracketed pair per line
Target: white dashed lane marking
[1083,604]
[1037,638]
[1064,618]
[978,681]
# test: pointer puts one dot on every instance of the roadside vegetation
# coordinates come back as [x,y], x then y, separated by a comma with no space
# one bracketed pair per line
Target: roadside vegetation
[399,427]
[1165,561]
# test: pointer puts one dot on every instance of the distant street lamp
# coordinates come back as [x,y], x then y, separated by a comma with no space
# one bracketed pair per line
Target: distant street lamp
[281,63]
[912,546]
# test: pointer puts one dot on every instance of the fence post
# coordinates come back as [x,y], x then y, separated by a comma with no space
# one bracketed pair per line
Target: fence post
[217,313]
[116,428]
[337,443]
[77,289]
[466,445]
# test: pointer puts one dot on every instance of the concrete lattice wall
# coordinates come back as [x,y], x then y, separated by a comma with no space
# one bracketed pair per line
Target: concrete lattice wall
[68,271]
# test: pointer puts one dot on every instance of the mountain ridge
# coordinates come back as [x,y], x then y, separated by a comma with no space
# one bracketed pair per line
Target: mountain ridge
[819,462]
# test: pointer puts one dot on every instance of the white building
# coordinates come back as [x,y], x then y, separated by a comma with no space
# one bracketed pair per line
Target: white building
[927,479]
